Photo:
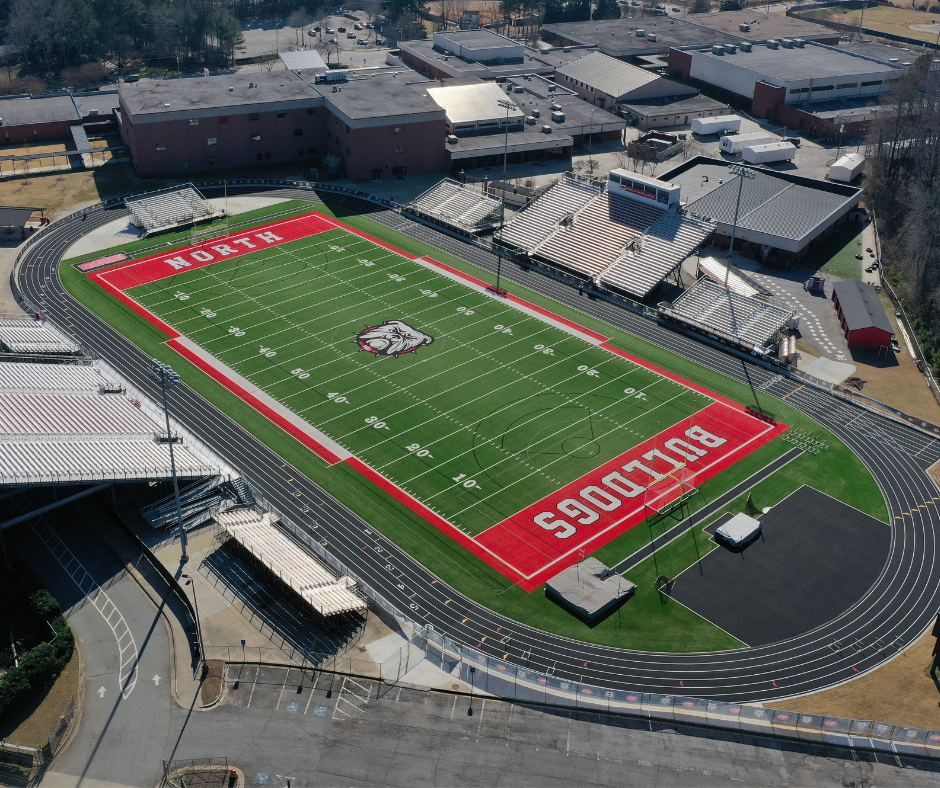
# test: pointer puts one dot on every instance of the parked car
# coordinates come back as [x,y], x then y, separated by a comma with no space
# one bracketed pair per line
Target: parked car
[792,140]
[362,42]
[370,26]
[330,31]
[342,30]
[350,34]
[379,42]
[357,26]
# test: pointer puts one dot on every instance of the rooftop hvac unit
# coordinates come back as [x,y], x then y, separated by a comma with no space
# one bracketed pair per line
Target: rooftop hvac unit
[772,43]
[530,120]
[558,117]
[718,49]
[641,34]
[546,129]
[745,46]
[799,42]
[536,113]
[566,49]
[452,139]
[744,27]
[731,49]
[892,60]
[519,89]
[786,43]
[651,37]
[556,107]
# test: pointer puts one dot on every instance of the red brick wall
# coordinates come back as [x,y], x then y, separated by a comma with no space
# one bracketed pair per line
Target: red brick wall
[422,67]
[795,117]
[27,133]
[188,145]
[680,64]
[766,98]
[365,150]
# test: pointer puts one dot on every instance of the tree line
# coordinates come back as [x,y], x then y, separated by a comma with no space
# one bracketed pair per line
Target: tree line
[903,188]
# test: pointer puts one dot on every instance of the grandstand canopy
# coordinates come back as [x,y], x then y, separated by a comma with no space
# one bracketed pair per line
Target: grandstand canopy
[452,203]
[721,271]
[744,319]
[177,206]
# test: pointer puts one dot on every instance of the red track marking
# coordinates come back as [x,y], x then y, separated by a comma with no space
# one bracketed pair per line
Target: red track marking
[258,405]
[187,258]
[537,553]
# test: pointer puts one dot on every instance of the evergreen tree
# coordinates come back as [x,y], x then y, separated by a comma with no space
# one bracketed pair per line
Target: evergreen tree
[578,11]
[554,12]
[608,9]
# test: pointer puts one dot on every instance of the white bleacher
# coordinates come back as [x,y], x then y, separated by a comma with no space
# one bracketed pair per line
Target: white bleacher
[47,460]
[597,234]
[16,376]
[722,271]
[539,219]
[656,253]
[25,335]
[747,319]
[311,580]
[452,203]
[86,414]
[174,207]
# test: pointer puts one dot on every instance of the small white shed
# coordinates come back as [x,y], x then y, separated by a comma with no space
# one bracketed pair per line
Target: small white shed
[847,168]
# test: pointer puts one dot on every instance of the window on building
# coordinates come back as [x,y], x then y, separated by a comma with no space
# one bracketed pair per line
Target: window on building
[260,156]
[282,113]
[311,111]
[399,149]
[298,132]
[212,141]
[252,116]
[347,128]
[300,153]
[194,121]
[399,129]
[225,159]
[377,174]
[313,151]
[799,90]
[223,119]
[211,162]
[256,138]
[267,154]
[161,146]
[847,86]
[820,88]
[348,151]
[399,172]
[871,84]
[185,165]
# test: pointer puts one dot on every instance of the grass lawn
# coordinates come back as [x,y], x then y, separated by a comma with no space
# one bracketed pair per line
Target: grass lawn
[647,622]
[886,19]
[32,725]
[836,256]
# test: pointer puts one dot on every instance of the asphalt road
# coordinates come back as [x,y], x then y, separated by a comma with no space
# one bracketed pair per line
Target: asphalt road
[893,613]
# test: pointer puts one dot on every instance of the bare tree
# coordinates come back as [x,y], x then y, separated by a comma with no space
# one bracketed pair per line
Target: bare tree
[328,48]
[298,20]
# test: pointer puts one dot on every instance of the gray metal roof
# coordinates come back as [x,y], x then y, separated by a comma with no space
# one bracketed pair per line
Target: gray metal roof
[788,207]
[469,103]
[658,252]
[14,216]
[478,39]
[861,306]
[303,60]
[609,75]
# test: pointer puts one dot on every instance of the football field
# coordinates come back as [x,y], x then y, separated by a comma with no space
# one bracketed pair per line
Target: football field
[530,440]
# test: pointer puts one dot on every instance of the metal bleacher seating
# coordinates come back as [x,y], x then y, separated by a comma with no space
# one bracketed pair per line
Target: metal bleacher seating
[452,203]
[540,218]
[174,207]
[749,320]
[69,423]
[317,585]
[25,335]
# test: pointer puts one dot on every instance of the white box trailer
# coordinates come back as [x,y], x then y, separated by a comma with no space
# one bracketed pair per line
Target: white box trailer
[764,154]
[847,168]
[738,142]
[716,125]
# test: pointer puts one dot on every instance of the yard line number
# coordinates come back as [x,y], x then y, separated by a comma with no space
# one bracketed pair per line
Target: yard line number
[469,484]
[464,310]
[418,451]
[379,425]
[336,397]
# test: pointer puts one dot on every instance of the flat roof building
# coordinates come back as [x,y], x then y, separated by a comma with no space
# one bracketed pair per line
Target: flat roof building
[377,126]
[781,217]
[479,46]
[628,38]
[474,109]
[786,73]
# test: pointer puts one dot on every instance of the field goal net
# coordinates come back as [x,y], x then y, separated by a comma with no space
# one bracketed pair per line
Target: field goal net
[178,206]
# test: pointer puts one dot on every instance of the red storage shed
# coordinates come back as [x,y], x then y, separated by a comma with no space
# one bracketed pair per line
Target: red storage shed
[863,318]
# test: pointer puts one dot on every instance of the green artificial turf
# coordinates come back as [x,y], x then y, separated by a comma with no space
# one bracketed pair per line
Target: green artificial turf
[649,621]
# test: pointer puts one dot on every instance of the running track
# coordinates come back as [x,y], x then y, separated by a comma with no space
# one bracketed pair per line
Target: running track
[895,611]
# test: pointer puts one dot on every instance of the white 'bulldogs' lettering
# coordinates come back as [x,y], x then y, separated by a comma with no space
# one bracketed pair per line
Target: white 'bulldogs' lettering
[601,498]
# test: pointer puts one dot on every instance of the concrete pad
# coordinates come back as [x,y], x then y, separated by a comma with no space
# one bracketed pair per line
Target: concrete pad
[828,370]
[120,231]
[242,203]
[383,648]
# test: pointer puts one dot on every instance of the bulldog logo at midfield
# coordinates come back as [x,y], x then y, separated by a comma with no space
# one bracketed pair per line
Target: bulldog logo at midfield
[392,338]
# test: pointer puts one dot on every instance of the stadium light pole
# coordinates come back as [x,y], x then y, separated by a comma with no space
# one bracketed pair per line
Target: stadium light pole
[506,105]
[203,665]
[742,173]
[165,377]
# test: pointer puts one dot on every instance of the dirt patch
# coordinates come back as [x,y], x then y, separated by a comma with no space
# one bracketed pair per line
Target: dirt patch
[212,685]
[901,692]
[32,725]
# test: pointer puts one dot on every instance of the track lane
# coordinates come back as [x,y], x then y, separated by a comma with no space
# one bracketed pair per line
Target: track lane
[899,606]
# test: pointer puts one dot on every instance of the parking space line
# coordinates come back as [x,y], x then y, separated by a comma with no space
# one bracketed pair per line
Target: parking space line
[253,683]
[280,695]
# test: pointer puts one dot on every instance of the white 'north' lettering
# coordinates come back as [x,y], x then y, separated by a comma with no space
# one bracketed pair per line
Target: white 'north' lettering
[269,237]
[224,249]
[202,256]
[178,263]
[245,242]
